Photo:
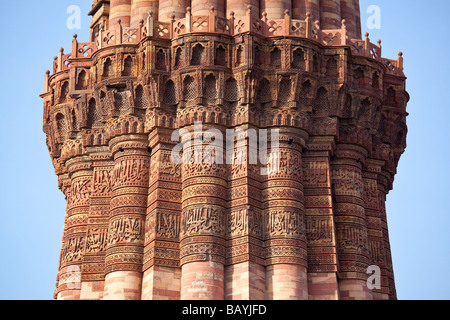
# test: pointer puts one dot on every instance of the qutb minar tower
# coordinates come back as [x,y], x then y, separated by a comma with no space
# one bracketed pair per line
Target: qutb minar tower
[140,226]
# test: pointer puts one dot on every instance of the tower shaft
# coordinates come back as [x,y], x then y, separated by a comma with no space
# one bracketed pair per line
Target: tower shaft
[289,126]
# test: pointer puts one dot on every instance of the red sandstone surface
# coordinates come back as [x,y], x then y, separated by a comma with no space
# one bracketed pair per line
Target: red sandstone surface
[140,227]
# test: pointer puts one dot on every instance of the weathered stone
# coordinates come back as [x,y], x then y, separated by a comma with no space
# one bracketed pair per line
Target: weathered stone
[305,224]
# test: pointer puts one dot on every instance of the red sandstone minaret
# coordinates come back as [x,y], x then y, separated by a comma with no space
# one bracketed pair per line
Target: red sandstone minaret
[139,226]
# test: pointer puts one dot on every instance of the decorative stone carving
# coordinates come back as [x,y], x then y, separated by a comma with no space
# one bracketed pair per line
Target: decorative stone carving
[111,107]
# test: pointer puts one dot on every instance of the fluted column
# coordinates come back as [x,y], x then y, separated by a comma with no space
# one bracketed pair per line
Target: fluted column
[240,7]
[358,32]
[330,14]
[203,224]
[63,278]
[245,270]
[120,10]
[313,7]
[389,270]
[320,226]
[93,269]
[125,249]
[285,239]
[300,8]
[162,272]
[275,9]
[169,8]
[141,8]
[373,197]
[203,7]
[351,223]
[78,195]
[349,14]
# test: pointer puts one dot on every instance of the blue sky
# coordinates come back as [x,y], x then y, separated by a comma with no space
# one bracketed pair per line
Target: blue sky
[32,208]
